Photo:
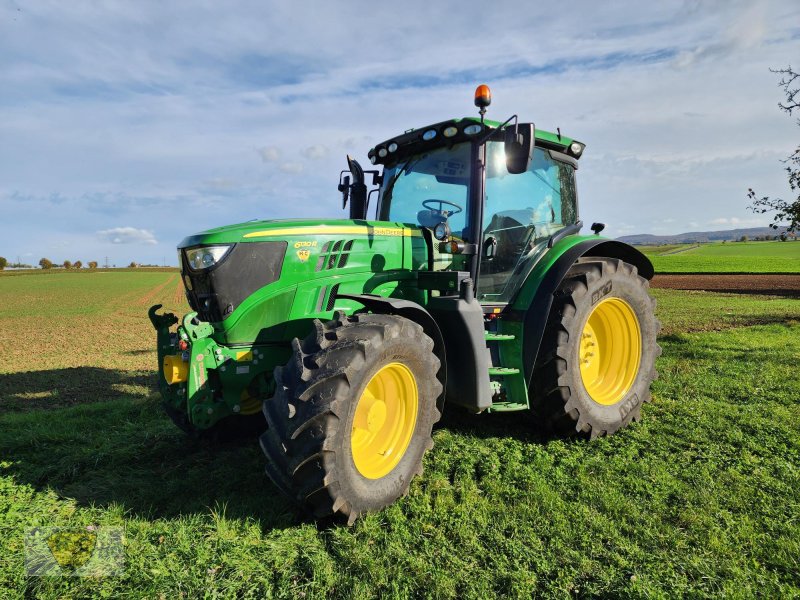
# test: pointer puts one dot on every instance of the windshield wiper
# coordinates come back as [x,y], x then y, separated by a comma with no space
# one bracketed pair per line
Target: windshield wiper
[387,193]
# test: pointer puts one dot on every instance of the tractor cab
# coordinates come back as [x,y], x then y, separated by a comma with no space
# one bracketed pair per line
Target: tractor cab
[492,197]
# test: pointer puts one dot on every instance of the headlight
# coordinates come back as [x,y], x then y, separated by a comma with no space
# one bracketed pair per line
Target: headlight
[442,231]
[206,256]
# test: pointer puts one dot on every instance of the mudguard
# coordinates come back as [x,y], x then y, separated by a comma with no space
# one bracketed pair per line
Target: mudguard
[536,309]
[418,314]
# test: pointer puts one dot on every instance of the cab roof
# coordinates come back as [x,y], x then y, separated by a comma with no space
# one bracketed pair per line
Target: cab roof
[453,131]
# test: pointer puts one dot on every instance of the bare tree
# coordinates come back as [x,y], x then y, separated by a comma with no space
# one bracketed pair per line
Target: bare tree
[785,210]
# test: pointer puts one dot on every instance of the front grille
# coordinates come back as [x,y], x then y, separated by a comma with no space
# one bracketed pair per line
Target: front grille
[216,292]
[334,255]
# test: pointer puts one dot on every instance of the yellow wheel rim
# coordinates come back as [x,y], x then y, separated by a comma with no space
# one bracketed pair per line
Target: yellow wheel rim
[386,415]
[248,405]
[610,351]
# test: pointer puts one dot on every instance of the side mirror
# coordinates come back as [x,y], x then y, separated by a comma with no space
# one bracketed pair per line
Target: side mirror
[490,247]
[518,146]
[356,191]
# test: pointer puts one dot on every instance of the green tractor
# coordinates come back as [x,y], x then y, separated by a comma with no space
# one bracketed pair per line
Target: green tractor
[340,341]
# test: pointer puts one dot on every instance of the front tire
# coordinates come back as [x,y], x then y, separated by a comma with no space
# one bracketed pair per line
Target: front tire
[352,414]
[598,353]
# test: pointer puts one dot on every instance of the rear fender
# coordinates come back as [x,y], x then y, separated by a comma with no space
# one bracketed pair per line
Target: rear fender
[534,301]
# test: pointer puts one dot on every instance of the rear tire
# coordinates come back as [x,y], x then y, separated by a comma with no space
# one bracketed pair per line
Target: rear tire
[597,358]
[317,435]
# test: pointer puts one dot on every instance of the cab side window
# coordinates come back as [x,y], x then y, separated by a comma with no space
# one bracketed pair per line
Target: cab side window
[521,211]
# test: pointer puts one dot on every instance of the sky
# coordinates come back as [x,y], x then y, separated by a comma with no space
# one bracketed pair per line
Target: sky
[125,126]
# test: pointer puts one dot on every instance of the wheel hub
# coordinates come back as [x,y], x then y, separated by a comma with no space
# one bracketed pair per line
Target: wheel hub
[384,421]
[610,351]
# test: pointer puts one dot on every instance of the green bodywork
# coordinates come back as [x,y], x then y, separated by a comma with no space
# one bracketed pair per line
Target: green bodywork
[234,358]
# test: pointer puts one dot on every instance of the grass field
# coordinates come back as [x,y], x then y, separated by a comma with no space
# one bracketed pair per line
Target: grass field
[731,257]
[699,499]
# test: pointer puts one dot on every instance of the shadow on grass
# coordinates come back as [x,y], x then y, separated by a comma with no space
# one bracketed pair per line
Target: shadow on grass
[57,388]
[519,425]
[118,449]
[102,447]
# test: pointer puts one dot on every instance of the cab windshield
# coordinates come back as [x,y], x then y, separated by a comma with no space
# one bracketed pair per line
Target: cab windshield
[417,190]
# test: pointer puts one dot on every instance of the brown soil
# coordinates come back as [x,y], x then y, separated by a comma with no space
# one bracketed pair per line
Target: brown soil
[780,285]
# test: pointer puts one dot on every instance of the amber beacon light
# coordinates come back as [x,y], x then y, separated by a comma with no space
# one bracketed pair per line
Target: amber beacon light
[483,97]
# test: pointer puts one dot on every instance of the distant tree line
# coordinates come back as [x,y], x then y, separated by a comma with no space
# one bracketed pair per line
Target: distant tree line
[17,265]
[46,263]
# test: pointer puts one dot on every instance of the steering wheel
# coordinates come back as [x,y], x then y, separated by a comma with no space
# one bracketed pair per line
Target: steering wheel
[441,204]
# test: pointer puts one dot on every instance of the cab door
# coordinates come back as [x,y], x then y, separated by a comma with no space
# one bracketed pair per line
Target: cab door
[520,214]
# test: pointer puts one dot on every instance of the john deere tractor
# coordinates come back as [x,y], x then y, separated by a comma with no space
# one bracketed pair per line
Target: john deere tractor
[340,341]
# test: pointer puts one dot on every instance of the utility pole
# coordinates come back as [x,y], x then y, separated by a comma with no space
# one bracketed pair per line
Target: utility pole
[106,262]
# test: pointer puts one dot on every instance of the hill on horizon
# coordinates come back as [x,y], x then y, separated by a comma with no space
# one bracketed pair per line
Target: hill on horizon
[693,237]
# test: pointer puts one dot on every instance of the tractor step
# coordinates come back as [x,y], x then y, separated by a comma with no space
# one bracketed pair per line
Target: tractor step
[502,371]
[507,406]
[497,337]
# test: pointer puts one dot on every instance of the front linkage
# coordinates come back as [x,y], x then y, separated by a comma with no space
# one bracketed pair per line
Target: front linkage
[202,382]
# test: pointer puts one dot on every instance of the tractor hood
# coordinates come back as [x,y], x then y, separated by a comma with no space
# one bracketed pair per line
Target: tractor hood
[254,231]
[231,270]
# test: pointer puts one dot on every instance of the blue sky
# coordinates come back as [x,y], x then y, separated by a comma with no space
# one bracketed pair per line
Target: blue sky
[125,126]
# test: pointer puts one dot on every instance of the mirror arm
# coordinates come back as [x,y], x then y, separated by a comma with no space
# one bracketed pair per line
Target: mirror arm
[500,128]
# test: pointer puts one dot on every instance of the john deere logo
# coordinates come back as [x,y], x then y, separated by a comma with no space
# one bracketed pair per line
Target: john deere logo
[76,551]
[72,549]
[303,255]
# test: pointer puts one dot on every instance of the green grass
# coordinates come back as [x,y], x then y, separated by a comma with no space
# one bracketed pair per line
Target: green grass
[699,499]
[692,311]
[731,257]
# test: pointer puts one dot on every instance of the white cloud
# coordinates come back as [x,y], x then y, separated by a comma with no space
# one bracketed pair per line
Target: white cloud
[740,222]
[220,184]
[316,152]
[291,167]
[269,153]
[127,235]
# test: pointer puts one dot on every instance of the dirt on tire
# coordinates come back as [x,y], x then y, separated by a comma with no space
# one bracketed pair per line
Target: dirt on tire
[768,284]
